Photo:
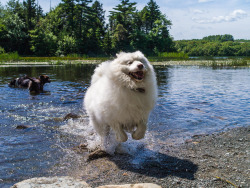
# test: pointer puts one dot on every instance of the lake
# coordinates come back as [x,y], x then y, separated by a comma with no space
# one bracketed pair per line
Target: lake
[192,100]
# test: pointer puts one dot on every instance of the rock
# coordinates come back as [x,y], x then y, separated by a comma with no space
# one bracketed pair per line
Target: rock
[70,182]
[52,182]
[139,185]
[97,154]
[22,127]
[81,148]
[71,116]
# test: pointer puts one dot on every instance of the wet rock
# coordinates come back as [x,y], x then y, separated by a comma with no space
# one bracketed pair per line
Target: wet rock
[81,148]
[139,185]
[52,182]
[71,116]
[22,126]
[198,136]
[97,154]
[58,119]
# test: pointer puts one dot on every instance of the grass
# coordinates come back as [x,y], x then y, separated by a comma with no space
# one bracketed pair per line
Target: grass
[162,58]
[13,56]
[173,55]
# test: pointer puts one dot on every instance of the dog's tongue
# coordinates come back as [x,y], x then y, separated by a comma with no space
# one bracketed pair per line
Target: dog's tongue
[139,74]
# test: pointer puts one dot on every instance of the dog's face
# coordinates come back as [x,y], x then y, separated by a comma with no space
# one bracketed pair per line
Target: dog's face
[134,65]
[137,70]
[44,79]
[12,82]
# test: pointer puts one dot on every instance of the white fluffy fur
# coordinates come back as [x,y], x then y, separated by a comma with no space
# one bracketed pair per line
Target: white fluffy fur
[118,101]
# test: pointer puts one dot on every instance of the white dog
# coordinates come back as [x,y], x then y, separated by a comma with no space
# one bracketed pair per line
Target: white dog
[121,95]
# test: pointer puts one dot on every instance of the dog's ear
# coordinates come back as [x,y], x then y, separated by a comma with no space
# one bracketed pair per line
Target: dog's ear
[120,54]
[44,78]
[139,54]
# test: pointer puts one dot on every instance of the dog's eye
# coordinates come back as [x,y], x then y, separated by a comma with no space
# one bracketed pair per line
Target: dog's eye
[130,62]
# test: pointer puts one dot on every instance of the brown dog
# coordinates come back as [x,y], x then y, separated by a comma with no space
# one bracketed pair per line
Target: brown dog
[35,85]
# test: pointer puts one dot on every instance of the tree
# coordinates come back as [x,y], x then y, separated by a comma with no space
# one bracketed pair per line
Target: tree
[120,38]
[30,12]
[43,43]
[83,17]
[56,21]
[67,45]
[98,27]
[121,24]
[153,13]
[160,39]
[123,15]
[15,7]
[107,44]
[15,34]
[69,9]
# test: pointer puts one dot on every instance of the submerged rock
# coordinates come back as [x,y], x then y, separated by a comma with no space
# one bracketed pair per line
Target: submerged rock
[71,116]
[52,182]
[22,126]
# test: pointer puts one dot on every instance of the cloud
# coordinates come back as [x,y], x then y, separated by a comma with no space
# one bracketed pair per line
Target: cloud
[234,16]
[197,11]
[204,1]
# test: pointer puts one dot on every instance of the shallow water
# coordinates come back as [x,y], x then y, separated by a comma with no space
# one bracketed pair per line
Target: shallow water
[192,100]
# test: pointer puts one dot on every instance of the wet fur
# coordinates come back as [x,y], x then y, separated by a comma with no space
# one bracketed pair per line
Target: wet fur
[117,103]
[35,85]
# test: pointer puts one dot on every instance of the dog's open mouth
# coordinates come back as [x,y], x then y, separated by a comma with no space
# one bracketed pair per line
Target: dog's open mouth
[139,75]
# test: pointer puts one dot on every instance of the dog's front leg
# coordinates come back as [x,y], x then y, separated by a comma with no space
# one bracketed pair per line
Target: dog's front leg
[120,134]
[139,133]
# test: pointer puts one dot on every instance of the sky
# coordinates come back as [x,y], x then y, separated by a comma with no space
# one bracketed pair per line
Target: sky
[191,19]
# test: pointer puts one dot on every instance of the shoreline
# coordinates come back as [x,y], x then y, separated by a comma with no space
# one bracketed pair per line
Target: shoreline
[216,160]
[219,63]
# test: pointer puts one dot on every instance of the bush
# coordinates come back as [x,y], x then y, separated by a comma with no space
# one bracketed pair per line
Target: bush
[2,51]
[9,56]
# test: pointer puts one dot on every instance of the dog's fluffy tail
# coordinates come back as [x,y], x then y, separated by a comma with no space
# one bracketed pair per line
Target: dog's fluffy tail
[100,71]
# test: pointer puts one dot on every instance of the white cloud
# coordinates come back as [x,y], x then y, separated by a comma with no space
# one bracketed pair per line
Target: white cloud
[197,11]
[204,1]
[234,16]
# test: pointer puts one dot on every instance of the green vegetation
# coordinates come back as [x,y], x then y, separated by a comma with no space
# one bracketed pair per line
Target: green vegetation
[77,30]
[173,55]
[215,45]
[13,56]
[79,27]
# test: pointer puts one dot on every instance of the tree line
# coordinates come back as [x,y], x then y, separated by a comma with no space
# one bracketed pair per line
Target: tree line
[80,27]
[214,45]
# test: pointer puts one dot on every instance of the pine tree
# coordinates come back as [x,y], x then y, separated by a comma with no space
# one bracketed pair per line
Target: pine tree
[121,24]
[69,9]
[154,13]
[123,15]
[30,7]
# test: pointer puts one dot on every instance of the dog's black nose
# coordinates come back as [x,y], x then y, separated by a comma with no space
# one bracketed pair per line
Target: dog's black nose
[140,66]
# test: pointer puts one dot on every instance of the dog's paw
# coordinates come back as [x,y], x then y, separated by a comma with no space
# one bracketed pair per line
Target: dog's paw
[122,137]
[138,135]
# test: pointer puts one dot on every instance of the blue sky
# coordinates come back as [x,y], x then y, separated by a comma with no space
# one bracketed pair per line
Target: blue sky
[192,19]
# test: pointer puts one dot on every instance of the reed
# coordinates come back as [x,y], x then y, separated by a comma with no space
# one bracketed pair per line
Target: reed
[229,63]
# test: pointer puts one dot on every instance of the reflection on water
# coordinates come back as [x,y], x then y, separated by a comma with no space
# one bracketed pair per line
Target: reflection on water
[192,100]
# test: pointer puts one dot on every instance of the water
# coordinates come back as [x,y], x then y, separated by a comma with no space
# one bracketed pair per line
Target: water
[192,100]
